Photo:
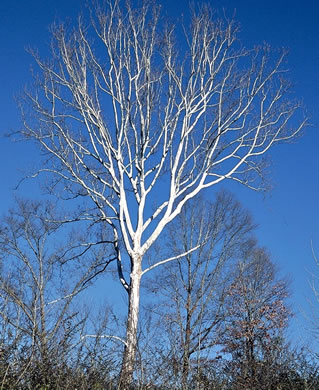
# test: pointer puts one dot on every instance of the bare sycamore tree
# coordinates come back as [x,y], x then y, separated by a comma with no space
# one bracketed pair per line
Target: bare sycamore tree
[39,282]
[192,289]
[140,117]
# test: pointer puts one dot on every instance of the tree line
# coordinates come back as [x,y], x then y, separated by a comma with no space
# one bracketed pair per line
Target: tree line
[214,319]
[135,118]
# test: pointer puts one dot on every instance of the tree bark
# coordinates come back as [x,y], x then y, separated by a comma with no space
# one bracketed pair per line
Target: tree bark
[187,341]
[128,362]
[186,355]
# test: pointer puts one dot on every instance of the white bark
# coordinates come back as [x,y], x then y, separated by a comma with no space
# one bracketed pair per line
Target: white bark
[132,322]
[145,118]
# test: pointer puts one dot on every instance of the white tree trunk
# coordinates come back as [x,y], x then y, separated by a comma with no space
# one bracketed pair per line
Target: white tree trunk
[128,362]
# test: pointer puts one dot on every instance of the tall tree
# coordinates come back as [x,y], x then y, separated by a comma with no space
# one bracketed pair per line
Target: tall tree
[141,118]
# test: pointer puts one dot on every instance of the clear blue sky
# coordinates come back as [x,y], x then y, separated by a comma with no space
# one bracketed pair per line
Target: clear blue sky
[288,217]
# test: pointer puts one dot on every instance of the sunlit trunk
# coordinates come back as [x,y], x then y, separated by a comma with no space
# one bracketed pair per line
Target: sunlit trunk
[128,361]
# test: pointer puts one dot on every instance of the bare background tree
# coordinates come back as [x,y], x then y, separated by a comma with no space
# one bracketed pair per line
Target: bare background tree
[191,291]
[140,117]
[42,273]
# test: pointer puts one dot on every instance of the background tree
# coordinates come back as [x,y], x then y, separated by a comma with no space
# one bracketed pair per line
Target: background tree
[140,127]
[191,291]
[257,317]
[39,282]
